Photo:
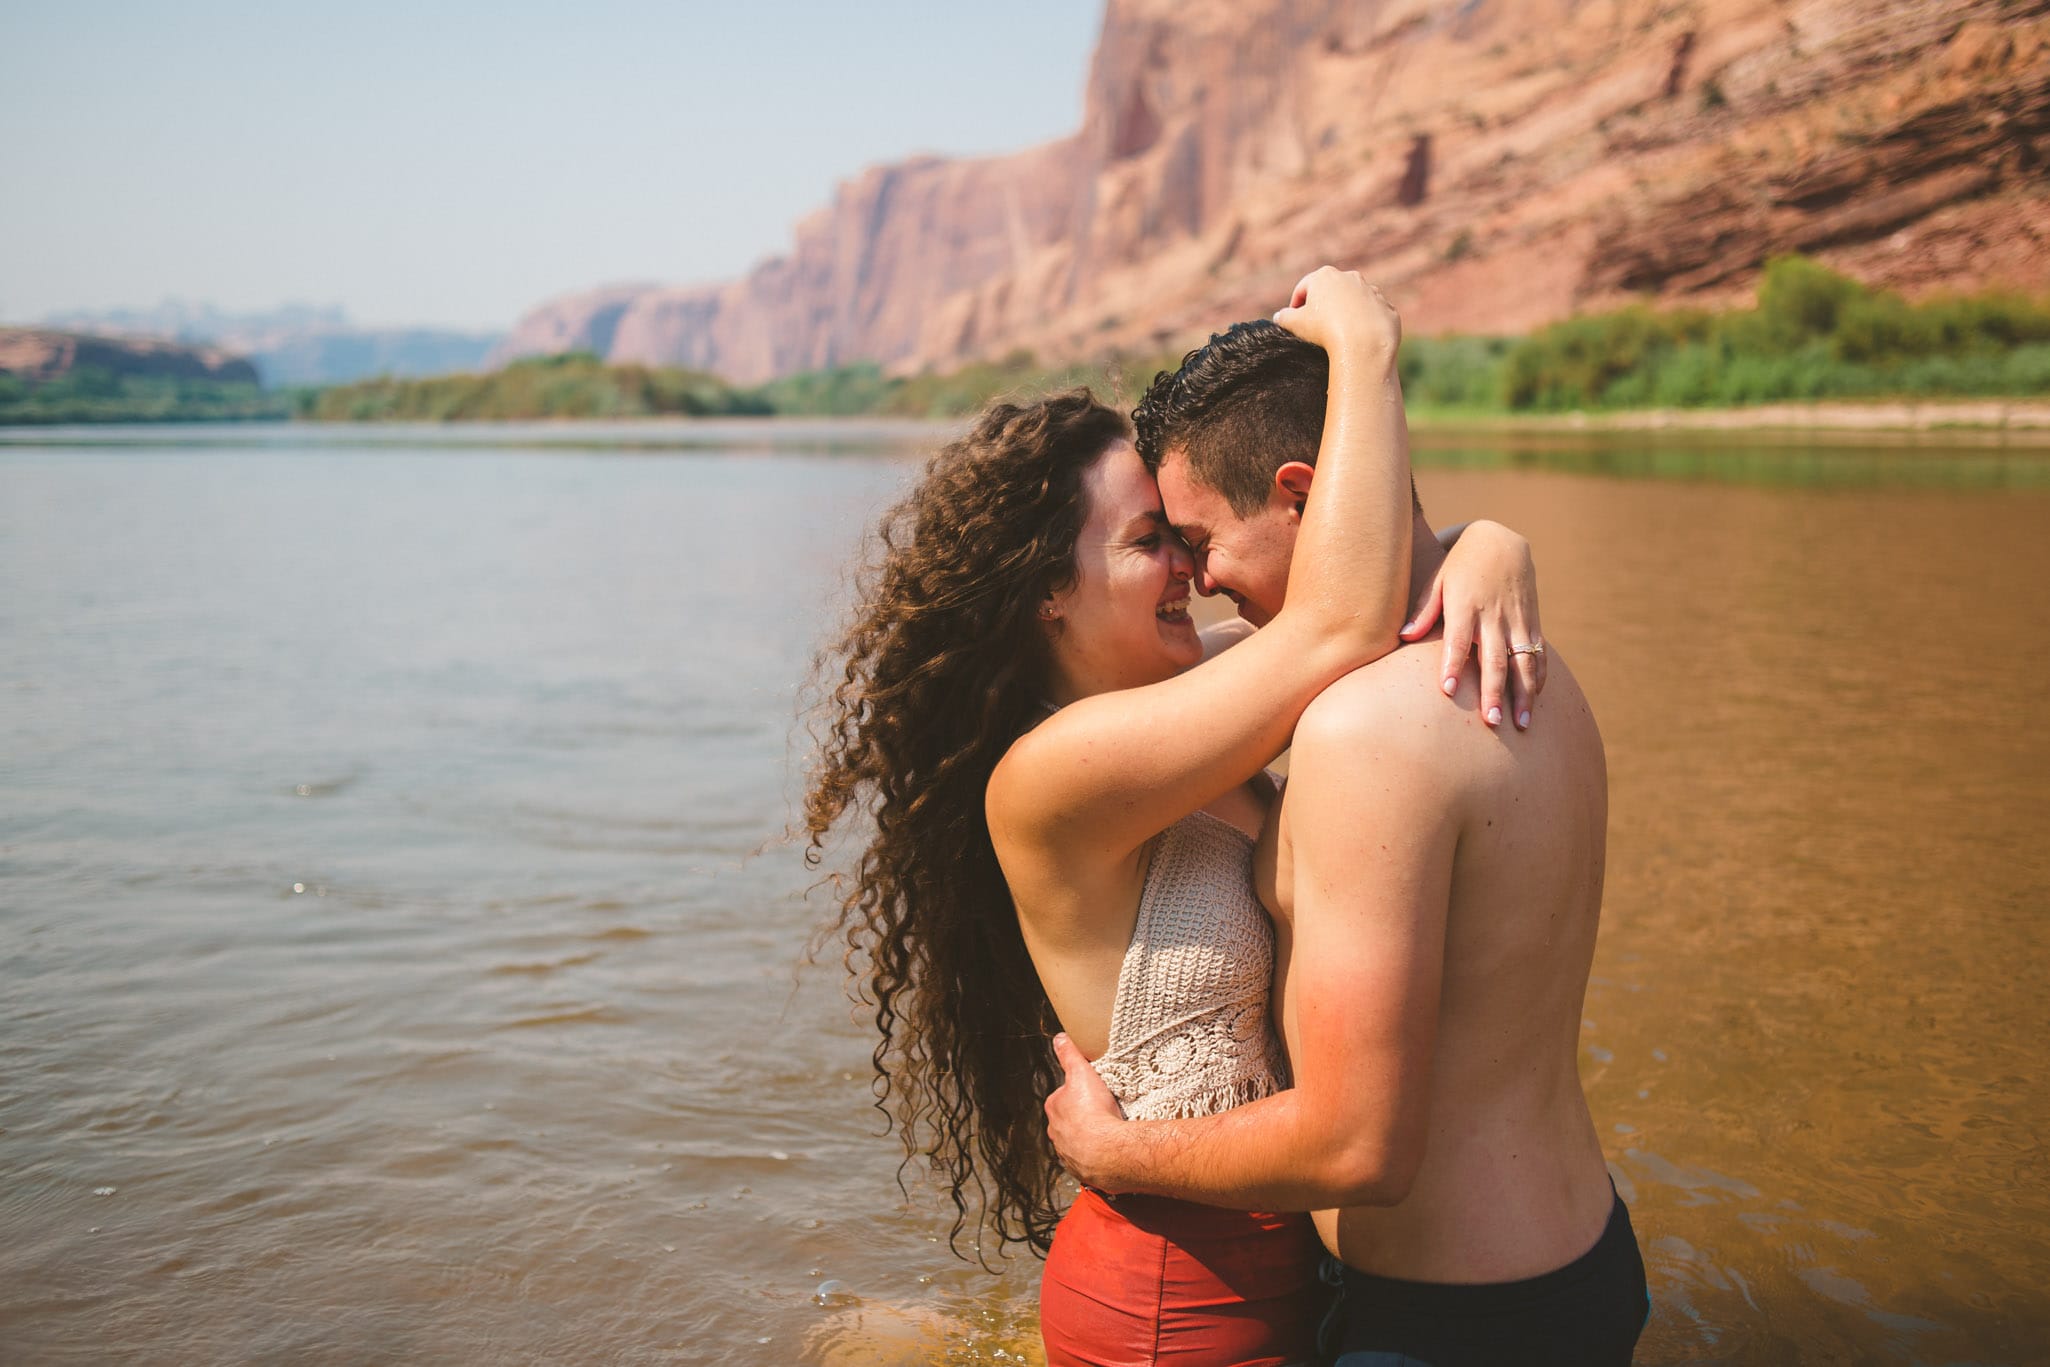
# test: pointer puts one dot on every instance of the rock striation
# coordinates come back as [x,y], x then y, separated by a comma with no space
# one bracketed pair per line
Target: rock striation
[1496,164]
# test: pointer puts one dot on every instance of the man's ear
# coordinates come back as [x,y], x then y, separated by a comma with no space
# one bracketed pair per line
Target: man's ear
[1292,484]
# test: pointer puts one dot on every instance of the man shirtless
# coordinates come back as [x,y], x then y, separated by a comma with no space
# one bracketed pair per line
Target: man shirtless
[1435,878]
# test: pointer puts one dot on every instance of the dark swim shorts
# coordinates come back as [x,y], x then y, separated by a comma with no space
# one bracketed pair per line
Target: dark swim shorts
[1585,1314]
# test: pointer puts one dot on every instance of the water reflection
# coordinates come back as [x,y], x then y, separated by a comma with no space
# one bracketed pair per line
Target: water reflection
[1825,856]
[1957,461]
[386,939]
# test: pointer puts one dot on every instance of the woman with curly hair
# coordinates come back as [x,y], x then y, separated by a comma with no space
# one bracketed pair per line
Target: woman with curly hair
[1064,796]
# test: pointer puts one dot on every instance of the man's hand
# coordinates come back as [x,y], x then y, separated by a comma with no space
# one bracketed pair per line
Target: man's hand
[1083,1119]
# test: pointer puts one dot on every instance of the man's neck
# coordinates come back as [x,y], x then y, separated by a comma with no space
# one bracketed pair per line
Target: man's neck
[1426,556]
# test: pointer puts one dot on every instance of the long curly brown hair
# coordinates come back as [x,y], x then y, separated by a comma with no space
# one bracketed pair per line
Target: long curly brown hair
[943,666]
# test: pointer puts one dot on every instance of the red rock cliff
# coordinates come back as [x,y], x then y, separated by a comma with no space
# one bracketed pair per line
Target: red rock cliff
[1495,164]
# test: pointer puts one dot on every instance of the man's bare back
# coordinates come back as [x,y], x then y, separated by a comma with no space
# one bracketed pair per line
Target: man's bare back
[1509,1181]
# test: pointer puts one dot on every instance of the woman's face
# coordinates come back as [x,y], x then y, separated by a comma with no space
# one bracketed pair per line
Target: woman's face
[1125,620]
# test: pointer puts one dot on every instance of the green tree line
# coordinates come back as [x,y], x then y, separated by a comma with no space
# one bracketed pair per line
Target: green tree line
[1812,334]
[574,385]
[92,395]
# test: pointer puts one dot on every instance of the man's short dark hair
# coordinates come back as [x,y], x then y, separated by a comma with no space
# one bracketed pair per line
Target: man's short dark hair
[1241,406]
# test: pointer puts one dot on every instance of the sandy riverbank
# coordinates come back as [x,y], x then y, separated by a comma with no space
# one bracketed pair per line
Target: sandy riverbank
[2023,420]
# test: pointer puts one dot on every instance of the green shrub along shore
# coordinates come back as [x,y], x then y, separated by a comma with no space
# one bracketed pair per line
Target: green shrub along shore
[574,385]
[91,395]
[1812,335]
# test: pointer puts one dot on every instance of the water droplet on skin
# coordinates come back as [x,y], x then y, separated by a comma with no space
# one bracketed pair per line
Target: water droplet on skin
[1643,1095]
[925,1279]
[669,1248]
[1626,1129]
[94,1230]
[105,1191]
[779,1155]
[1659,1054]
[298,887]
[814,1224]
[763,1339]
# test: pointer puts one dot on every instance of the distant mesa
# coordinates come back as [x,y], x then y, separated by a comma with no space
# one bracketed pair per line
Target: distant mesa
[39,355]
[1498,166]
[295,345]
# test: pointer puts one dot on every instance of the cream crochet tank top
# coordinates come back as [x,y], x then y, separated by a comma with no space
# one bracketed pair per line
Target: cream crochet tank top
[1189,1030]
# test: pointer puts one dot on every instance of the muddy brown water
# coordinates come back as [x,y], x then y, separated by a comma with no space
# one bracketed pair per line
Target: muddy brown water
[390,972]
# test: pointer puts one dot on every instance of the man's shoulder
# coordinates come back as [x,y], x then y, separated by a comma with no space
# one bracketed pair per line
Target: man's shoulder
[1395,703]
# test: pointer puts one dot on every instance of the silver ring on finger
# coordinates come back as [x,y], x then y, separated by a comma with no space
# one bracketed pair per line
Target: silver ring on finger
[1533,648]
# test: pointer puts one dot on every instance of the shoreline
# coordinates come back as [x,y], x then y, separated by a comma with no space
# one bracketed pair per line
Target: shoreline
[2022,421]
[2019,422]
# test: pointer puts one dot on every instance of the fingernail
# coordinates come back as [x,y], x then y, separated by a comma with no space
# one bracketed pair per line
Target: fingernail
[1494,716]
[1408,627]
[1523,719]
[1451,684]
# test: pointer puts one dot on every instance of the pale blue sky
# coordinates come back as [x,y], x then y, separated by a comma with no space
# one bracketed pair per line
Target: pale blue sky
[444,163]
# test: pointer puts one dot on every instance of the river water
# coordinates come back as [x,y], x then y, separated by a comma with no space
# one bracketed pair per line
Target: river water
[399,963]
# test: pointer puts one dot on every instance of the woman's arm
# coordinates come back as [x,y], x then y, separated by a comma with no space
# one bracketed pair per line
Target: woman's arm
[1111,771]
[1493,607]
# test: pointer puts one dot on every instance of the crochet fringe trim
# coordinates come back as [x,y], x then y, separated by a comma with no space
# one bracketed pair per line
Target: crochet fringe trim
[1212,1102]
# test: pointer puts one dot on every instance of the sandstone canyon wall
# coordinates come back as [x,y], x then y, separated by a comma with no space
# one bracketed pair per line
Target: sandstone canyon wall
[1496,164]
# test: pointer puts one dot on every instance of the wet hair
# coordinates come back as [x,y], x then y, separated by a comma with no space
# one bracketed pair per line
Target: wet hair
[944,664]
[1244,404]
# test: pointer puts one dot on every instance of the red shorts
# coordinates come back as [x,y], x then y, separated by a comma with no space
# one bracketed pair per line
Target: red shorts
[1137,1280]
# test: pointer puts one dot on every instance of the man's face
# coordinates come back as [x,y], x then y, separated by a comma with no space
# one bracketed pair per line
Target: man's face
[1244,558]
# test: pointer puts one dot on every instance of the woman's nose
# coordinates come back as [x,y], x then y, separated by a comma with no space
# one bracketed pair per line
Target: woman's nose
[1181,564]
